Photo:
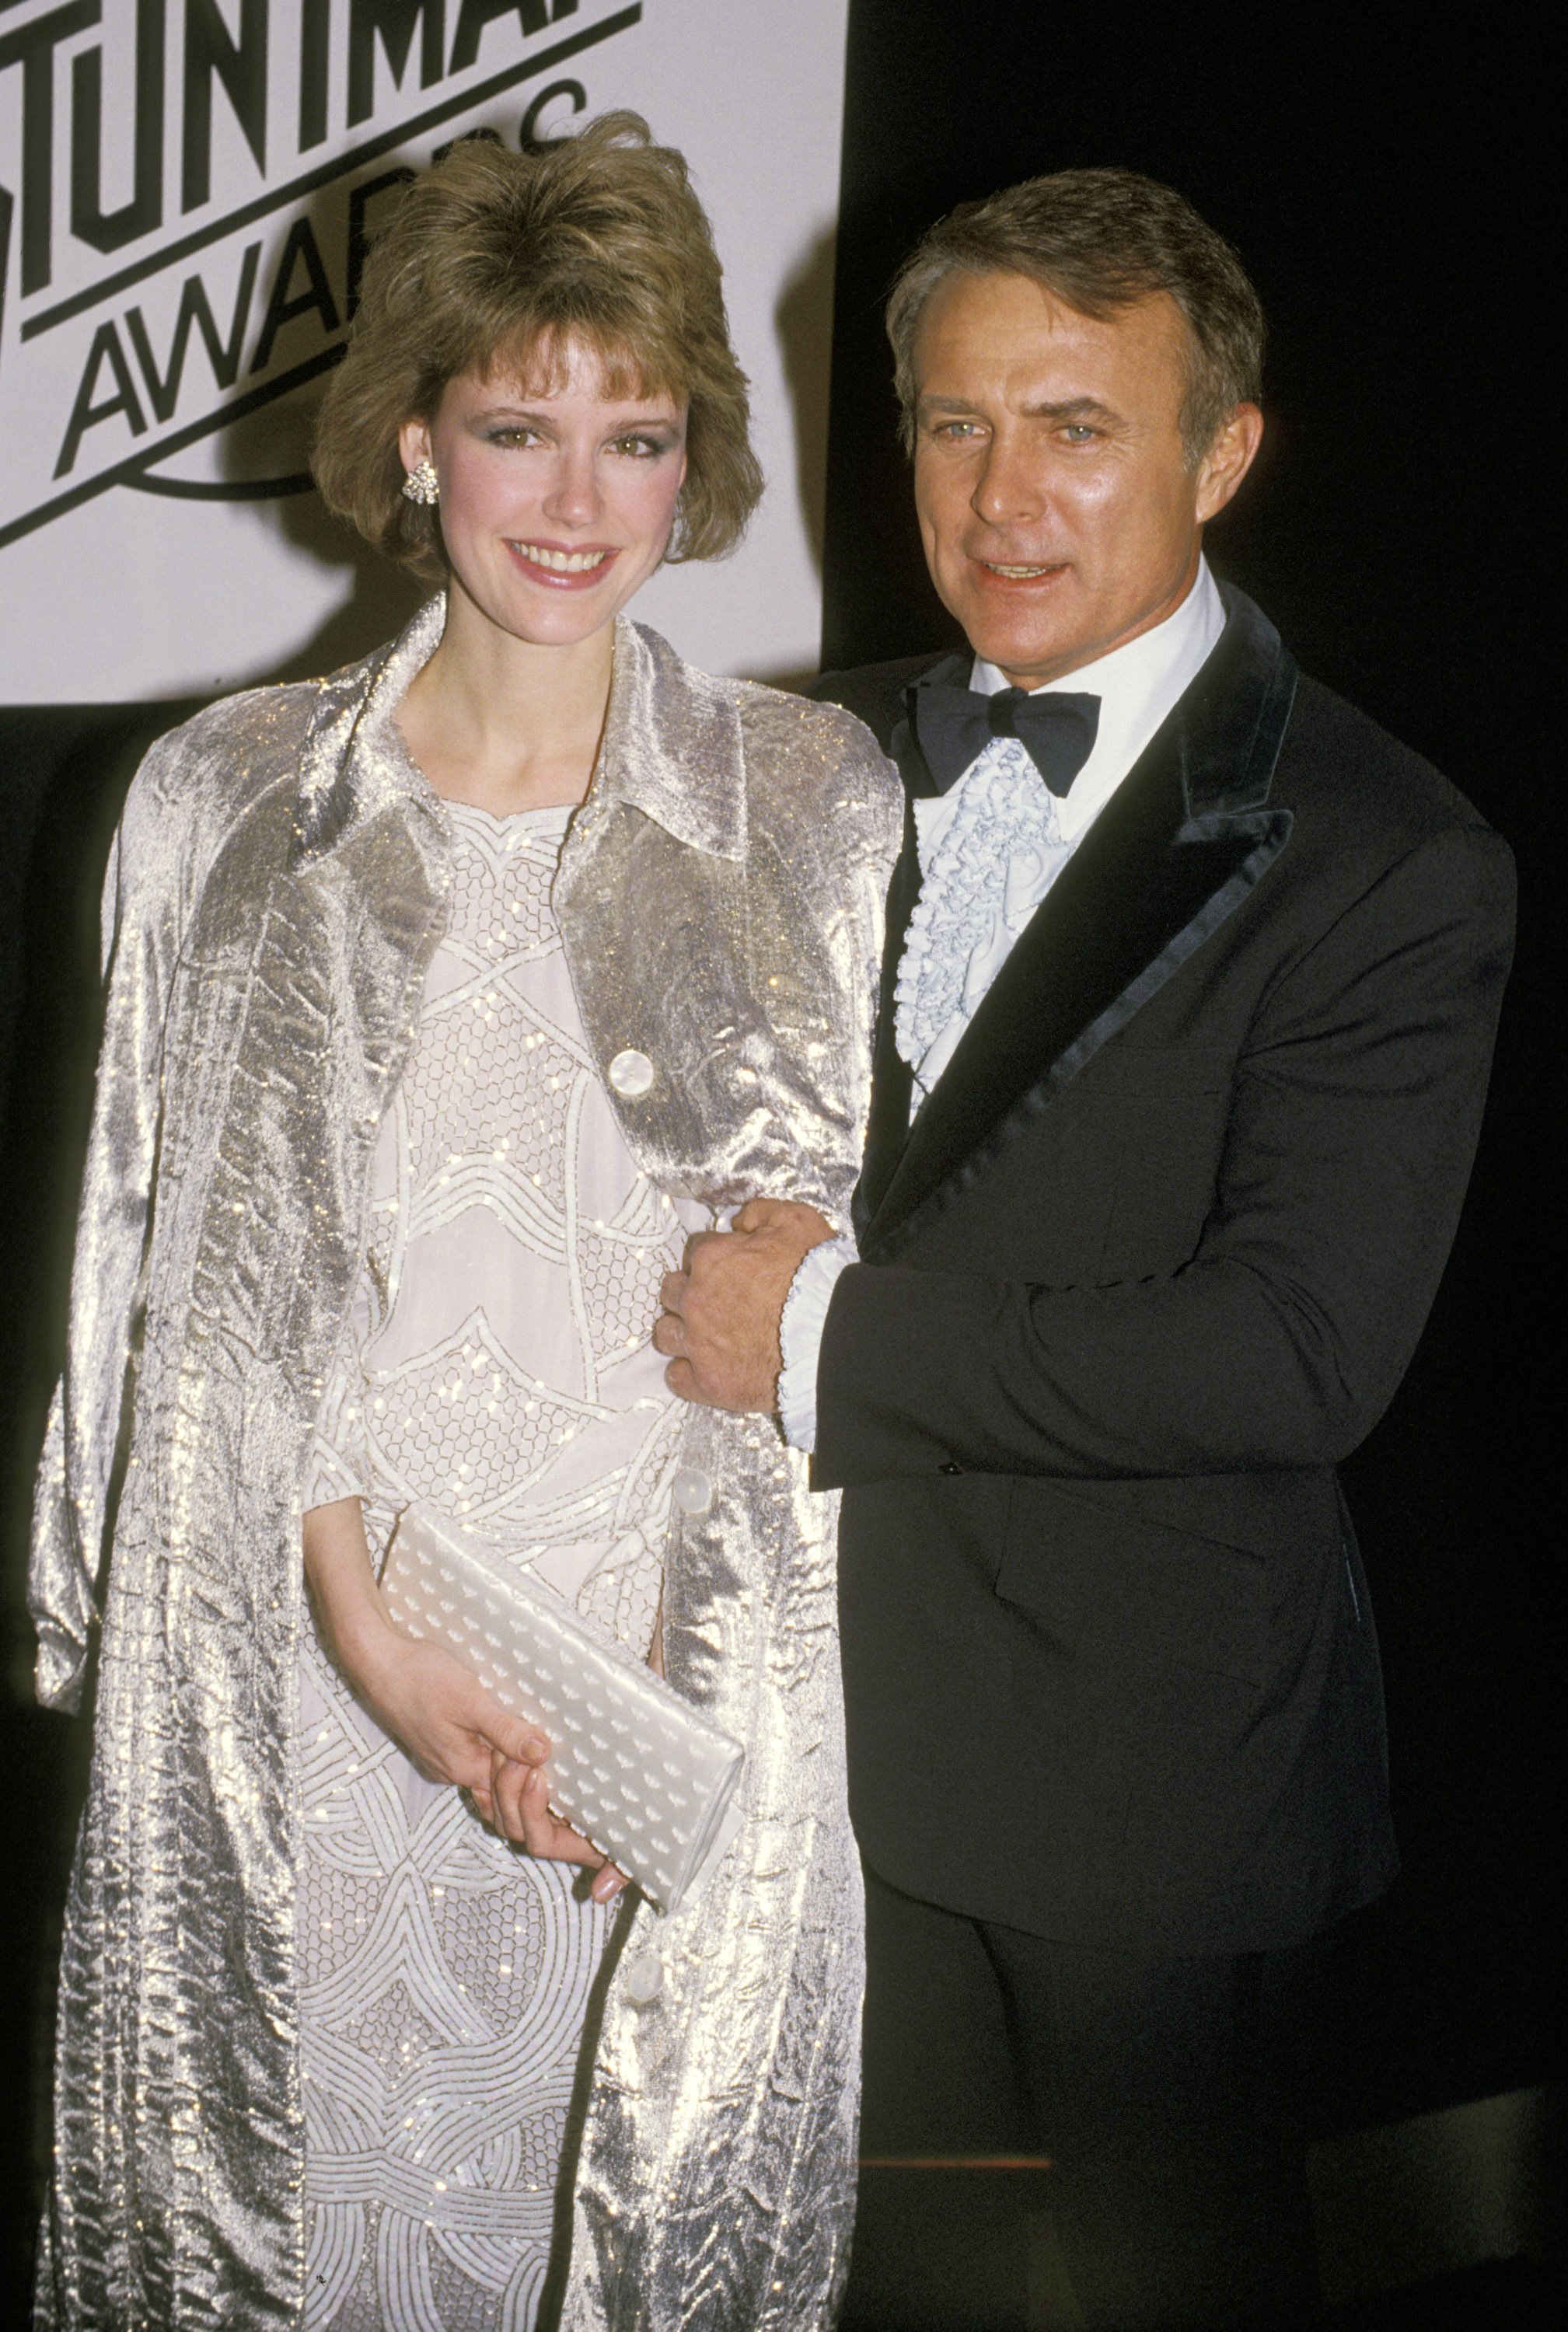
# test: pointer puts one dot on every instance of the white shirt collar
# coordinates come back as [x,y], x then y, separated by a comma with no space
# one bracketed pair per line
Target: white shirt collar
[1137,685]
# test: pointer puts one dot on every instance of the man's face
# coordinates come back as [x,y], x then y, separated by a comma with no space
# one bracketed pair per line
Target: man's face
[1057,506]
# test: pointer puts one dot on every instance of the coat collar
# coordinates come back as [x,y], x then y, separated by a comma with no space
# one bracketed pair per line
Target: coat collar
[952,670]
[355,765]
[671,744]
[1181,844]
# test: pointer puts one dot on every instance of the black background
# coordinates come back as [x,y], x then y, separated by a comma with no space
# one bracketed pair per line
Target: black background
[1383,176]
[1386,188]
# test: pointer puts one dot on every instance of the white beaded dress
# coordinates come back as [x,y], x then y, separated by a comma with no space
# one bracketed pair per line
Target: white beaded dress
[496,1367]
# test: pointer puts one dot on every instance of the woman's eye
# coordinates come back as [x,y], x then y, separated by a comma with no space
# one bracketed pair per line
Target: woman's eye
[646,448]
[514,437]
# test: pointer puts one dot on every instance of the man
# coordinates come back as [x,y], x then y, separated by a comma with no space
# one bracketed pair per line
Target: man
[1191,986]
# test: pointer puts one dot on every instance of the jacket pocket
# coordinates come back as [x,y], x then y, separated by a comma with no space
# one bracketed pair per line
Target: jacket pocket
[1134,1588]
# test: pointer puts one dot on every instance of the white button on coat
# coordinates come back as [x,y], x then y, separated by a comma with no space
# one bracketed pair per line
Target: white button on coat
[644,1980]
[631,1074]
[692,1491]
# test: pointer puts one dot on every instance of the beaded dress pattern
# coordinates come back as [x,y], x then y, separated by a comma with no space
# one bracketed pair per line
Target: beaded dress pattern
[496,1367]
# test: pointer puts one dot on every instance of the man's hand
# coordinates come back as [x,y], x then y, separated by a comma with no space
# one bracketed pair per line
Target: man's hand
[720,1323]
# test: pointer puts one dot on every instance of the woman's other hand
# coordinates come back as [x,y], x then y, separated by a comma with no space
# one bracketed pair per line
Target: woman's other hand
[436,1710]
[520,1792]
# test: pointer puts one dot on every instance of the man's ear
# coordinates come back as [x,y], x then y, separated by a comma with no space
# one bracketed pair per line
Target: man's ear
[1231,453]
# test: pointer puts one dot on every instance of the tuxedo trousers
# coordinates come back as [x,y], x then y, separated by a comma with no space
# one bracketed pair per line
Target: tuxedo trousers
[1162,2089]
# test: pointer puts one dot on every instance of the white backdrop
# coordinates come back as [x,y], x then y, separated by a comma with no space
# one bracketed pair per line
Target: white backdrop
[183,184]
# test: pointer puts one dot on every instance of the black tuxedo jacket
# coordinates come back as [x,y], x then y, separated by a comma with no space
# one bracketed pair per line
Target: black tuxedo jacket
[1154,1257]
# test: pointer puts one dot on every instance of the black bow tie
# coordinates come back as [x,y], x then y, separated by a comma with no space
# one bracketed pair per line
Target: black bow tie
[954,725]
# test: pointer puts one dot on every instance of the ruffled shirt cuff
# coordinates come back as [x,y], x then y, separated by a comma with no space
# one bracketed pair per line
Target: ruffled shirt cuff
[800,1327]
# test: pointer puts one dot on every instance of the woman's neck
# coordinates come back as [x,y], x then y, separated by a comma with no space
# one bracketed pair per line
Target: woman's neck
[501,723]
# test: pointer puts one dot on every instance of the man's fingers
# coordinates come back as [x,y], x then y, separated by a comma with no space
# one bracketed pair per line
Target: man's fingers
[682,1378]
[757,1214]
[673,1290]
[669,1335]
[695,1241]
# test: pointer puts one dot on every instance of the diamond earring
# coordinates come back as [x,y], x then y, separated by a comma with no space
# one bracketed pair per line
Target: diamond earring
[421,486]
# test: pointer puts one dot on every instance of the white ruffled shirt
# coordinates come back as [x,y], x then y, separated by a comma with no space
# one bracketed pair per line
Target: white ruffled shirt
[990,849]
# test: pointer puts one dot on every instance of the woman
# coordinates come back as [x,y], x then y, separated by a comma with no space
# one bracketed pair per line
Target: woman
[416,1076]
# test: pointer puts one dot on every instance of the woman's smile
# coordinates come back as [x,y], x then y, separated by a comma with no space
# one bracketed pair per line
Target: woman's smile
[560,567]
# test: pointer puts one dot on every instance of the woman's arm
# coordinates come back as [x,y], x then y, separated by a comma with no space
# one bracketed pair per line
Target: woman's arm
[438,1713]
[819,866]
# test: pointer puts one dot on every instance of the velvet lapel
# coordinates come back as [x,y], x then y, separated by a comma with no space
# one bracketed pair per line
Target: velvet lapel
[887,1131]
[1175,851]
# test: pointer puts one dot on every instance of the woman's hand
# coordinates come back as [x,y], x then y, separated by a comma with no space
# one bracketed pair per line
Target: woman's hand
[439,1713]
[436,1710]
[521,1794]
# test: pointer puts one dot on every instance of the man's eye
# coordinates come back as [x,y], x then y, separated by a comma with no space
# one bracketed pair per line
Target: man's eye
[1079,432]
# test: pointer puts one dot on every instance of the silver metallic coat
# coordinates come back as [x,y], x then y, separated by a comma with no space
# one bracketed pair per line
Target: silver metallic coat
[279,885]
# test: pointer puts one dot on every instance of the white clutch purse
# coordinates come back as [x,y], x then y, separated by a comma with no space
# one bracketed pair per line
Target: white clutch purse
[636,1768]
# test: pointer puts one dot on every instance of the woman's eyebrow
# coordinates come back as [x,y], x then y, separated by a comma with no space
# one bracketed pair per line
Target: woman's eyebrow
[631,419]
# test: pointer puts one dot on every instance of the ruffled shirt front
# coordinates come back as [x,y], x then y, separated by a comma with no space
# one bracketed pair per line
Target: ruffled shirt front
[987,854]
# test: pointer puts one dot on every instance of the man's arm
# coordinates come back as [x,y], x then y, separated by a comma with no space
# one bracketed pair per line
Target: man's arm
[800,1326]
[1352,1127]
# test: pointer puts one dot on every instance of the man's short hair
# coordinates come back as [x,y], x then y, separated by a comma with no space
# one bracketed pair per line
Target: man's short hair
[1099,240]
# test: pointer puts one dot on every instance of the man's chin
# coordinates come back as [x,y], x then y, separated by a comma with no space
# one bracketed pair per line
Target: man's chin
[1032,656]
[1035,627]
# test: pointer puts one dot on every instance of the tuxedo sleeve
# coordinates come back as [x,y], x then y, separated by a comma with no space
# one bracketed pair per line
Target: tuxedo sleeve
[1353,1125]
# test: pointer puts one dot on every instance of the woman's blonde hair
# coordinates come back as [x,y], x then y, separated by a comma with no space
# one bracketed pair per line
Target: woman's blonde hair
[494,257]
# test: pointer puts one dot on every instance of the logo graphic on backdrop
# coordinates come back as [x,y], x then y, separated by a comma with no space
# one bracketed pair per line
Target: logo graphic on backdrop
[187,192]
[187,203]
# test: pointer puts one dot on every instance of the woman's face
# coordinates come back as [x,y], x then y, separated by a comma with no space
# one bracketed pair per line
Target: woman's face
[555,508]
